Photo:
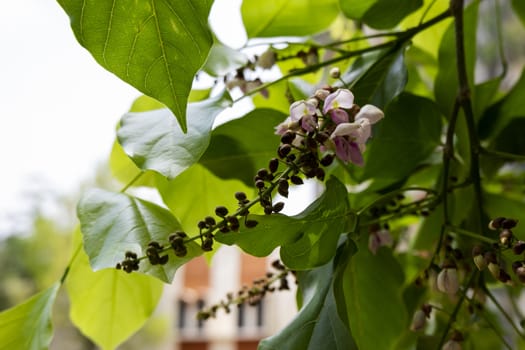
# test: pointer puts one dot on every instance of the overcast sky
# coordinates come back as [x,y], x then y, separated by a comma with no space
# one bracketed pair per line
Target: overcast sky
[58,107]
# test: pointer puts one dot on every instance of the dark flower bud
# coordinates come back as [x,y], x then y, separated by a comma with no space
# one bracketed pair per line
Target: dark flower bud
[276,264]
[268,210]
[224,229]
[278,207]
[505,237]
[319,174]
[154,244]
[201,224]
[221,211]
[327,160]
[240,196]
[291,157]
[283,188]
[273,165]
[259,184]
[181,251]
[131,255]
[210,221]
[504,277]
[262,173]
[516,265]
[296,180]
[207,244]
[509,223]
[164,259]
[322,137]
[118,266]
[288,137]
[495,224]
[284,150]
[251,223]
[519,247]
[520,273]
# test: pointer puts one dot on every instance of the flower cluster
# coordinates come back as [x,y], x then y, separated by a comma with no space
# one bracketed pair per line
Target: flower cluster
[345,127]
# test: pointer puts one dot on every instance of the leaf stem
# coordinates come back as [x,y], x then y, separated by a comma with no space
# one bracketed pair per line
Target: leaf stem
[467,233]
[135,179]
[502,155]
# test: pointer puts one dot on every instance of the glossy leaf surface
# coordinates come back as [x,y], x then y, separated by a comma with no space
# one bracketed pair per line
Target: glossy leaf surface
[114,223]
[28,325]
[379,14]
[156,46]
[155,141]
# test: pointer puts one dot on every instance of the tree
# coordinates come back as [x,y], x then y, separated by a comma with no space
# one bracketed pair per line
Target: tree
[378,102]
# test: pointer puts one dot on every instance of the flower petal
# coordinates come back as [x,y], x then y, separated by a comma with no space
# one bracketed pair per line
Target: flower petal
[345,129]
[339,116]
[342,98]
[371,113]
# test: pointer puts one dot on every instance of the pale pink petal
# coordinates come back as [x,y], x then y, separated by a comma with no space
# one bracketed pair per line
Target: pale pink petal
[308,123]
[355,154]
[301,108]
[339,116]
[370,113]
[283,127]
[342,98]
[345,129]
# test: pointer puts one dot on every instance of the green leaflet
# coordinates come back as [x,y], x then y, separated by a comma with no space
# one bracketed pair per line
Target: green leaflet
[196,193]
[409,133]
[379,14]
[113,223]
[287,17]
[317,325]
[156,46]
[154,141]
[108,306]
[368,295]
[28,325]
[308,239]
[223,60]
[233,152]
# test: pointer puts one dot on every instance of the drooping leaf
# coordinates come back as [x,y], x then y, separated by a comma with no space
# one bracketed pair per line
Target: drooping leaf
[114,223]
[155,141]
[109,305]
[240,147]
[409,133]
[308,239]
[368,291]
[519,9]
[379,14]
[28,325]
[223,60]
[156,46]
[287,17]
[501,113]
[446,82]
[196,193]
[317,325]
[381,80]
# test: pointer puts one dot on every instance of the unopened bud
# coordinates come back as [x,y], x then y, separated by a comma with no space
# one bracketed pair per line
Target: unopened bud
[477,256]
[505,237]
[321,94]
[495,224]
[520,273]
[452,345]
[419,321]
[335,73]
[509,223]
[494,269]
[519,247]
[447,280]
[267,59]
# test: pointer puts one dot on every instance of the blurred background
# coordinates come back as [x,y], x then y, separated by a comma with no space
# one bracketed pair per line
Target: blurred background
[58,111]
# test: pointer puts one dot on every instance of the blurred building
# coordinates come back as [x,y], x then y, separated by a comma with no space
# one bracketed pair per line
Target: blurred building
[200,284]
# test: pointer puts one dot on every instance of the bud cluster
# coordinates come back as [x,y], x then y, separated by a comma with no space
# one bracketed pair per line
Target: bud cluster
[273,281]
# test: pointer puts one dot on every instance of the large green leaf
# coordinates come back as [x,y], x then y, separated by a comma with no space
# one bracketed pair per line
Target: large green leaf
[196,193]
[446,86]
[156,46]
[28,325]
[383,77]
[368,294]
[108,306]
[308,239]
[317,325]
[287,17]
[379,14]
[113,223]
[240,147]
[155,141]
[409,133]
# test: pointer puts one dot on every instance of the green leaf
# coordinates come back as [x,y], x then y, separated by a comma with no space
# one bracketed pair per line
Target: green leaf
[156,46]
[379,14]
[317,325]
[124,170]
[409,133]
[287,17]
[501,113]
[240,147]
[446,86]
[113,223]
[381,77]
[519,9]
[108,306]
[223,60]
[155,141]
[368,291]
[308,239]
[195,193]
[28,325]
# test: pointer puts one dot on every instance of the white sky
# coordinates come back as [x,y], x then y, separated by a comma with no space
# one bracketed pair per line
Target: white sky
[58,107]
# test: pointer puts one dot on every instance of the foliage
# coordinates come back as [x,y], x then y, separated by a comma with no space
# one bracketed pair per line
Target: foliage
[376,101]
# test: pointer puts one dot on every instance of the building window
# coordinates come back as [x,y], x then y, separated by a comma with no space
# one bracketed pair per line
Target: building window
[250,319]
[187,322]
